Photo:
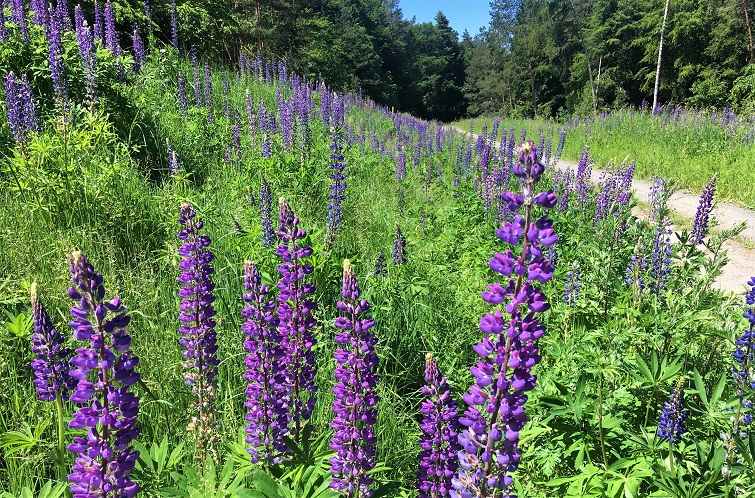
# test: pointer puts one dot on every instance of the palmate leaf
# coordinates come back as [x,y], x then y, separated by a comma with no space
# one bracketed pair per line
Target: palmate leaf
[47,491]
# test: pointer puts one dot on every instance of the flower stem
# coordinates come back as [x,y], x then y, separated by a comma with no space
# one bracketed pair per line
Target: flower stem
[61,436]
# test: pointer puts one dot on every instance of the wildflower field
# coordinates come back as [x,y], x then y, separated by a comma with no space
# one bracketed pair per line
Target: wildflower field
[225,280]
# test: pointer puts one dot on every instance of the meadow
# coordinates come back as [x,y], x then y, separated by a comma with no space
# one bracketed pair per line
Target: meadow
[603,363]
[684,144]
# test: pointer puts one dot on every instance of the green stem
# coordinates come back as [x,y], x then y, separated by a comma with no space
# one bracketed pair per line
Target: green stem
[61,436]
[600,421]
[671,459]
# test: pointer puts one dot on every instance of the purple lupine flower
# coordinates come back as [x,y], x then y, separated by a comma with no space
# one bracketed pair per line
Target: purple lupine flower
[23,116]
[138,50]
[560,146]
[355,398]
[99,23]
[266,213]
[401,202]
[197,330]
[112,41]
[182,106]
[573,285]
[208,93]
[400,173]
[337,188]
[39,9]
[743,354]
[440,429]
[3,27]
[174,24]
[508,351]
[399,247]
[637,267]
[108,410]
[381,269]
[18,16]
[584,171]
[57,64]
[660,259]
[296,320]
[85,40]
[51,365]
[288,124]
[148,14]
[267,403]
[658,197]
[671,422]
[700,226]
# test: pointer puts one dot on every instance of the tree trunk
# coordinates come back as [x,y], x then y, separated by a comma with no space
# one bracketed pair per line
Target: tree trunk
[749,31]
[658,67]
[532,84]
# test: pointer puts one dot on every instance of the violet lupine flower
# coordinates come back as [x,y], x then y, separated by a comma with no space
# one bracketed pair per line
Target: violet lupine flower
[105,455]
[400,173]
[660,259]
[508,350]
[112,42]
[355,398]
[85,40]
[3,27]
[267,403]
[573,285]
[288,125]
[148,14]
[39,9]
[637,267]
[440,428]
[23,116]
[174,24]
[584,171]
[401,202]
[51,366]
[197,330]
[700,226]
[399,247]
[296,320]
[381,269]
[57,65]
[18,16]
[658,196]
[266,213]
[99,23]
[337,188]
[560,146]
[182,106]
[138,50]
[174,163]
[671,422]
[744,353]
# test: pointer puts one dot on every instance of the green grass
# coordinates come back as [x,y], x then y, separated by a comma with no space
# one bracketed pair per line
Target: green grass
[689,153]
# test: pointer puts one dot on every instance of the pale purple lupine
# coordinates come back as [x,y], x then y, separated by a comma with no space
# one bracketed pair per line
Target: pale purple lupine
[296,321]
[400,173]
[266,401]
[660,259]
[208,100]
[174,24]
[197,329]
[107,411]
[174,163]
[337,188]
[18,16]
[438,461]
[87,49]
[138,50]
[355,397]
[508,351]
[23,116]
[560,146]
[57,64]
[584,171]
[399,247]
[112,42]
[572,285]
[702,216]
[182,105]
[51,365]
[658,198]
[99,23]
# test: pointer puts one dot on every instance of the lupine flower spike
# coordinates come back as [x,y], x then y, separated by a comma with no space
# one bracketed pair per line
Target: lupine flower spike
[105,372]
[508,350]
[671,423]
[197,330]
[267,403]
[399,248]
[355,398]
[337,188]
[440,427]
[702,216]
[296,320]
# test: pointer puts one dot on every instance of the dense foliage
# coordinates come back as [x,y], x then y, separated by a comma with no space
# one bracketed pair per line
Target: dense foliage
[244,357]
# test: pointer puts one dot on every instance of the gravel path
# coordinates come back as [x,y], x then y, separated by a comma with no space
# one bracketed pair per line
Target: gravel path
[741,259]
[741,264]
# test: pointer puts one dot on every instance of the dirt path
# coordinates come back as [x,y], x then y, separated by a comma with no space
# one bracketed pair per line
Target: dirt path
[741,264]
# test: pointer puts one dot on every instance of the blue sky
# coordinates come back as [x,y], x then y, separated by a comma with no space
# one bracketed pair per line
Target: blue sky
[463,14]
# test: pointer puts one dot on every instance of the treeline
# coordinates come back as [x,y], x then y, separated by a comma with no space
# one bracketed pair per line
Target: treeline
[560,57]
[535,57]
